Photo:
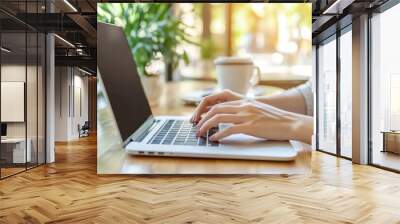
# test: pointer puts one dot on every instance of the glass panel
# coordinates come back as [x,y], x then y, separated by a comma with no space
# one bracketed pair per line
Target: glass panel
[386,89]
[14,153]
[327,97]
[22,89]
[32,89]
[41,99]
[31,97]
[346,94]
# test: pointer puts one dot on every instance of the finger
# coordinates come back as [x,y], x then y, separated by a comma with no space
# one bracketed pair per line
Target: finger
[218,109]
[206,102]
[221,118]
[210,101]
[234,102]
[250,105]
[228,103]
[235,129]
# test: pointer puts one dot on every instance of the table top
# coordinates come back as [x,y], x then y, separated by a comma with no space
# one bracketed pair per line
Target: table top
[112,159]
[391,132]
[13,140]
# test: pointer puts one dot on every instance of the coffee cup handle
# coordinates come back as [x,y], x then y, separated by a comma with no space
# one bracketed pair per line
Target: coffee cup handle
[255,79]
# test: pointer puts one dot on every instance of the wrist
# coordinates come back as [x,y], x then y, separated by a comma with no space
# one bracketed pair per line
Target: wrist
[264,99]
[302,128]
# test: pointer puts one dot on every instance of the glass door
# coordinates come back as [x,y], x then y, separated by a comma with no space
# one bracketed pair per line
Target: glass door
[385,89]
[22,77]
[15,150]
[346,93]
[326,104]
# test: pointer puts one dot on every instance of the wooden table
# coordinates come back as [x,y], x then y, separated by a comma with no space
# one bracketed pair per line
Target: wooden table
[391,141]
[15,148]
[113,160]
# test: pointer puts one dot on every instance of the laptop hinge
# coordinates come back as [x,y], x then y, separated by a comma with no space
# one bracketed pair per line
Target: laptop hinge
[146,125]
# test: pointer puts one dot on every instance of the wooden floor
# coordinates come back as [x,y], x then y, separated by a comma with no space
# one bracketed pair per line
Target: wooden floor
[70,191]
[10,171]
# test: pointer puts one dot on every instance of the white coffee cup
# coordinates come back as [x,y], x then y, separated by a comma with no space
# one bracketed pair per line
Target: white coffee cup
[237,73]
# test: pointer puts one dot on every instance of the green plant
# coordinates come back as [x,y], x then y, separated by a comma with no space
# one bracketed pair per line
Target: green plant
[152,30]
[208,49]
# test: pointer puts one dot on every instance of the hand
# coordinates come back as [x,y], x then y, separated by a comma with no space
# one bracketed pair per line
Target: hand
[208,101]
[256,119]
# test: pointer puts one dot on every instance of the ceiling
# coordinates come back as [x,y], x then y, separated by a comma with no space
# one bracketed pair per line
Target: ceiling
[331,15]
[75,21]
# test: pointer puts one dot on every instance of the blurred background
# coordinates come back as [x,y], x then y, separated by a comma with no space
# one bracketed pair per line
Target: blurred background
[182,40]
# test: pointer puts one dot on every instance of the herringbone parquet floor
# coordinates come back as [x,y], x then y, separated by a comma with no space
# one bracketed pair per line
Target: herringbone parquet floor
[69,191]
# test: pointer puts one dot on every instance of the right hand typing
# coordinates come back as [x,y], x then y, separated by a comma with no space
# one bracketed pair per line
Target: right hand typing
[211,100]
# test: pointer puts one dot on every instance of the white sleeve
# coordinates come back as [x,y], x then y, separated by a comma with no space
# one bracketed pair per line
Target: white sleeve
[306,91]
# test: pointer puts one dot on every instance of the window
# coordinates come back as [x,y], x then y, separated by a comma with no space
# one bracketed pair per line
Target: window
[346,93]
[277,36]
[327,96]
[385,89]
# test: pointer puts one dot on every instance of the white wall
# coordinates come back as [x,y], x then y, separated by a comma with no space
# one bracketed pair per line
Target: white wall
[33,127]
[61,103]
[71,94]
[81,104]
[12,73]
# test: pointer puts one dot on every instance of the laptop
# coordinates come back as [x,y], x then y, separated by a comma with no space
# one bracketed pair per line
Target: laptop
[144,134]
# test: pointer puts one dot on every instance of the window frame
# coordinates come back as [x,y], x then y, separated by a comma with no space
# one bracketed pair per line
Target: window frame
[335,36]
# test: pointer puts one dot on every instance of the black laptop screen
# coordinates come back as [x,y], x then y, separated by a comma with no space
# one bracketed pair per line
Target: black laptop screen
[121,80]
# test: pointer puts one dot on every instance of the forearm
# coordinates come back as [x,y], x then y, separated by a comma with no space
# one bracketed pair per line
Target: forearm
[291,100]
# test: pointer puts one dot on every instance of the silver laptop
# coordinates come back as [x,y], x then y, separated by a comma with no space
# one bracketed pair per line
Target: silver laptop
[147,135]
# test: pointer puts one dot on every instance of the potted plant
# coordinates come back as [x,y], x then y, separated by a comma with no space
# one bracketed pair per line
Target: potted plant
[154,33]
[208,52]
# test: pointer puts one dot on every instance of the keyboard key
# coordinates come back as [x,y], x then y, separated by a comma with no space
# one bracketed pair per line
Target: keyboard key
[178,132]
[202,141]
[211,143]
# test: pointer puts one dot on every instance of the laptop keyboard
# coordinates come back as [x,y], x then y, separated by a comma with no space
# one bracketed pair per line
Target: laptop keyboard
[179,132]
